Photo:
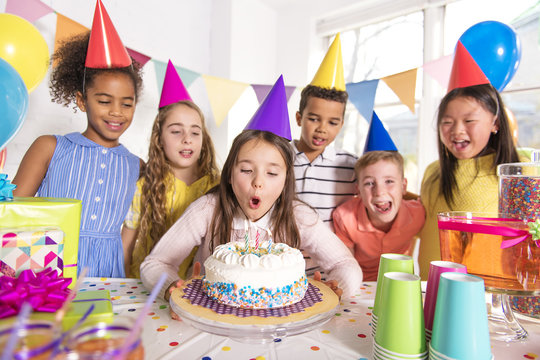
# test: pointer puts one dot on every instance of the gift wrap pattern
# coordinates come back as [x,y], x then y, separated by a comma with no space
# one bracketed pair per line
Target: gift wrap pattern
[31,248]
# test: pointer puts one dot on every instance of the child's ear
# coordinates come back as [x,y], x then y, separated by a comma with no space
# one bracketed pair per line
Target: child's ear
[298,118]
[79,98]
[404,185]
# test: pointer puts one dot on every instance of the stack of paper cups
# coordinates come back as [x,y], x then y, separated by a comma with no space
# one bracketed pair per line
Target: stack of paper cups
[436,268]
[388,263]
[400,331]
[460,325]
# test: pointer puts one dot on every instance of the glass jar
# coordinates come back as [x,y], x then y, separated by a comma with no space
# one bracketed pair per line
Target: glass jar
[104,341]
[36,340]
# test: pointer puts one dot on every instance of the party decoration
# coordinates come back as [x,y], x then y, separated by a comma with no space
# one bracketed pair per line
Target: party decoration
[6,188]
[496,48]
[45,291]
[138,57]
[24,48]
[439,69]
[330,73]
[30,10]
[378,138]
[465,71]
[273,115]
[512,122]
[31,248]
[65,29]
[105,49]
[13,101]
[222,94]
[173,88]
[187,76]
[534,229]
[262,90]
[362,95]
[404,86]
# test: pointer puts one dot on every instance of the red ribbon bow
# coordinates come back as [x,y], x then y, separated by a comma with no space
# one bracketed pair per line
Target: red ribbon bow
[44,291]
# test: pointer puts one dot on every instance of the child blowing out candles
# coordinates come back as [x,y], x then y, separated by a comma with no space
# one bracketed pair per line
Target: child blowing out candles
[257,184]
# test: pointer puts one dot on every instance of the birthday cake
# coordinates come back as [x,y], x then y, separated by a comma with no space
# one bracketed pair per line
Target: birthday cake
[268,276]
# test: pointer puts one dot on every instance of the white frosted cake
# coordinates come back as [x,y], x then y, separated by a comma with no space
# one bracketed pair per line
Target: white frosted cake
[255,278]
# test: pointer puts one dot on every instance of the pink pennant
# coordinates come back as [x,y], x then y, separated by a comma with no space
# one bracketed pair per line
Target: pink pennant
[30,10]
[439,69]
[139,57]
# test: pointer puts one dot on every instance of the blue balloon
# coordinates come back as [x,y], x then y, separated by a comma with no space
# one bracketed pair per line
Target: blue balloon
[13,102]
[496,49]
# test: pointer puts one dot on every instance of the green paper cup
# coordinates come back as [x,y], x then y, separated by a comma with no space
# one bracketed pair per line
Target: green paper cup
[400,327]
[388,263]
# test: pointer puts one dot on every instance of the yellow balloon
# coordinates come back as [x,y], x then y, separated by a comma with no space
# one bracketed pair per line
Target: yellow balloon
[24,48]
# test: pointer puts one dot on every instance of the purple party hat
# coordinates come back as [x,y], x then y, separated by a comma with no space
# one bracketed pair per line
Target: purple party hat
[273,115]
[378,138]
[173,88]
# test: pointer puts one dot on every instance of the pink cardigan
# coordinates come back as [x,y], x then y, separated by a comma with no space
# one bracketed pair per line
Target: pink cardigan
[192,229]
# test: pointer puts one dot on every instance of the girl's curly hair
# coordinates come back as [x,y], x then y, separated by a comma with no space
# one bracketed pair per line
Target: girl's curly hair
[69,75]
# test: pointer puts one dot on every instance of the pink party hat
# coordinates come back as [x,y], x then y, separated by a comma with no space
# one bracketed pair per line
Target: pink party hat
[273,115]
[105,49]
[173,88]
[465,70]
[378,138]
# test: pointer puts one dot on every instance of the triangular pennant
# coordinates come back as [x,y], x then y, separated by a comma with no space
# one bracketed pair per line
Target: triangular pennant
[188,76]
[222,94]
[30,10]
[173,88]
[362,95]
[105,49]
[465,71]
[262,90]
[66,28]
[404,86]
[378,138]
[273,115]
[330,74]
[139,57]
[439,69]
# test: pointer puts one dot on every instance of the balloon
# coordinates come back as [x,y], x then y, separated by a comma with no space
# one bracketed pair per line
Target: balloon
[496,48]
[13,102]
[512,124]
[3,155]
[24,48]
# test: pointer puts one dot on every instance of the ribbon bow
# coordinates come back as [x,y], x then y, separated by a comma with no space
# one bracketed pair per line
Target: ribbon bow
[534,230]
[6,188]
[44,291]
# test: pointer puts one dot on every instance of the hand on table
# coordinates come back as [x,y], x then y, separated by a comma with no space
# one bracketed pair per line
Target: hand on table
[332,284]
[179,283]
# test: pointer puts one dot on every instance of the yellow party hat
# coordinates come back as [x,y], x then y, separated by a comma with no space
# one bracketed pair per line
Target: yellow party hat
[330,73]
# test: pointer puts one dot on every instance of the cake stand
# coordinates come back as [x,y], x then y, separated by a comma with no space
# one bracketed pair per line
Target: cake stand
[255,329]
[500,251]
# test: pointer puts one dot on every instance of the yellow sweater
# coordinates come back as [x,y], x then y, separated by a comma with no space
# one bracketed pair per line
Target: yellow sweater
[477,185]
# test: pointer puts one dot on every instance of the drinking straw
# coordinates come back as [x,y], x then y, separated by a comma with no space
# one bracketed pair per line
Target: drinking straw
[25,311]
[140,319]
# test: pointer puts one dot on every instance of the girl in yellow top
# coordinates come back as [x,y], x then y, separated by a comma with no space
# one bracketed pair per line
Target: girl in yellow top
[474,137]
[181,168]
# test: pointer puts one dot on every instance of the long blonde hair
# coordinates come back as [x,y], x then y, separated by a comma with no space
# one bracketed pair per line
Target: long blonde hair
[154,214]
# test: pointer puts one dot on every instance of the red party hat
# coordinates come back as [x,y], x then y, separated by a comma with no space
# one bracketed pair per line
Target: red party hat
[173,88]
[465,70]
[105,49]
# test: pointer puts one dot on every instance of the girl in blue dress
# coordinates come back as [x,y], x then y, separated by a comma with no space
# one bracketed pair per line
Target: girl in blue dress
[91,166]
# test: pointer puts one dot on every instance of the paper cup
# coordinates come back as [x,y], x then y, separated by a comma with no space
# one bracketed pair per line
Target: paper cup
[400,327]
[460,326]
[436,268]
[388,263]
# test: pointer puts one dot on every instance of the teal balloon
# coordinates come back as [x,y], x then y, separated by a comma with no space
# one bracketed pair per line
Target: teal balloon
[13,102]
[496,48]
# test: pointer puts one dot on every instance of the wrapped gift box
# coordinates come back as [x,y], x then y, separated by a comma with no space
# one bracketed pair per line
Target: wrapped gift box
[63,214]
[102,311]
[31,248]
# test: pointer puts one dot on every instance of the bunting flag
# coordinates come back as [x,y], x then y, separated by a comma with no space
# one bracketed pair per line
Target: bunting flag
[187,76]
[222,94]
[404,86]
[439,69]
[139,57]
[362,95]
[66,28]
[30,10]
[262,90]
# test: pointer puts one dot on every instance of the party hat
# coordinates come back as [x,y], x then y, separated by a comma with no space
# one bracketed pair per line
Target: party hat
[273,115]
[378,138]
[173,88]
[465,70]
[330,73]
[105,49]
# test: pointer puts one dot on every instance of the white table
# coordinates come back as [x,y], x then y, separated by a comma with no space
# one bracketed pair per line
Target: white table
[346,336]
